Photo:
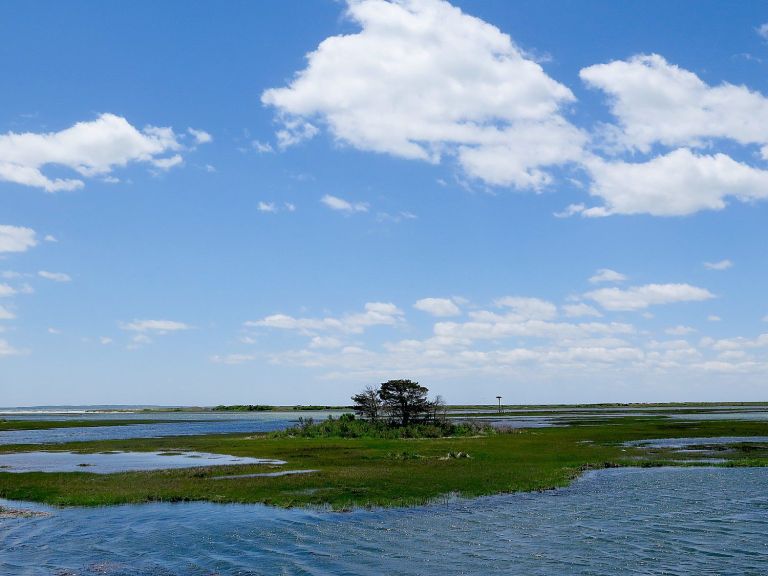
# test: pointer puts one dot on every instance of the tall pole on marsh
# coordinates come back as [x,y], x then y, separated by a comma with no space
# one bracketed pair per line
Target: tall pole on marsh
[499,399]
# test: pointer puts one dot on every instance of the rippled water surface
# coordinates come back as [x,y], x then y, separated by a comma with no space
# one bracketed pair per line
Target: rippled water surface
[620,521]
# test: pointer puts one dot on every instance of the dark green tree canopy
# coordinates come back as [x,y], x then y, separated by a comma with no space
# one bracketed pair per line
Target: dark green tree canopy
[400,402]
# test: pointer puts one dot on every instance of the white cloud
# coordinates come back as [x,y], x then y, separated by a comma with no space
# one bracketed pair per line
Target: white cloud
[200,136]
[50,238]
[658,102]
[376,313]
[54,331]
[528,308]
[7,350]
[6,314]
[607,275]
[676,184]
[92,148]
[7,290]
[440,307]
[422,80]
[262,147]
[641,297]
[579,310]
[274,208]
[155,326]
[105,340]
[680,330]
[55,276]
[714,318]
[232,358]
[341,205]
[720,265]
[763,31]
[16,238]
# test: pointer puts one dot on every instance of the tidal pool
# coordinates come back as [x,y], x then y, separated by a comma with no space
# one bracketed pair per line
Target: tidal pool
[688,442]
[671,521]
[111,462]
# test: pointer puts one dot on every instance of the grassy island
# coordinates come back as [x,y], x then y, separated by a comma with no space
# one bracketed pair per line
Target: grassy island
[359,465]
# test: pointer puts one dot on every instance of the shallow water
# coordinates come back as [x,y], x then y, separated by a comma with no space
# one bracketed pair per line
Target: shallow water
[618,521]
[686,442]
[111,462]
[184,424]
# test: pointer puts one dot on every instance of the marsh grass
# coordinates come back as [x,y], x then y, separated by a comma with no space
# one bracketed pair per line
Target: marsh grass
[374,471]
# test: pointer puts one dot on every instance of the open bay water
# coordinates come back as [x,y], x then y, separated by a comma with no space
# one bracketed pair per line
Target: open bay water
[619,521]
[169,424]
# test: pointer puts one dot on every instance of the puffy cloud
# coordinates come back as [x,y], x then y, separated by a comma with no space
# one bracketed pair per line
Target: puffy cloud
[763,31]
[607,275]
[200,136]
[16,238]
[7,290]
[676,184]
[6,314]
[55,276]
[579,310]
[267,207]
[720,265]
[92,148]
[341,205]
[680,330]
[422,80]
[641,297]
[440,307]
[155,326]
[658,102]
[528,308]
[375,313]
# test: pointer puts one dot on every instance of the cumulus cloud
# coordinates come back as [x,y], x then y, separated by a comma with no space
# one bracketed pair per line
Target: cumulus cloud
[579,310]
[375,313]
[719,265]
[680,330]
[267,207]
[605,275]
[763,31]
[7,290]
[155,326]
[16,238]
[658,102]
[341,205]
[641,297]
[528,308]
[676,184]
[92,148]
[440,307]
[55,276]
[6,314]
[422,80]
[200,136]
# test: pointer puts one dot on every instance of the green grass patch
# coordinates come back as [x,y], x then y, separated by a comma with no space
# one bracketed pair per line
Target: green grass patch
[377,471]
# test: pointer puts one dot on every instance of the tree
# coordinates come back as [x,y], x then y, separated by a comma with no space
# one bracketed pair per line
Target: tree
[404,401]
[368,404]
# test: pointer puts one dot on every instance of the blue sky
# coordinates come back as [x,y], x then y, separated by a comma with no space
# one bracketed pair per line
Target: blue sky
[281,202]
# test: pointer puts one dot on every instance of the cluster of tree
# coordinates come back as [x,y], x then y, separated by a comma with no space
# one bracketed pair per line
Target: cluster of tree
[242,408]
[401,402]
